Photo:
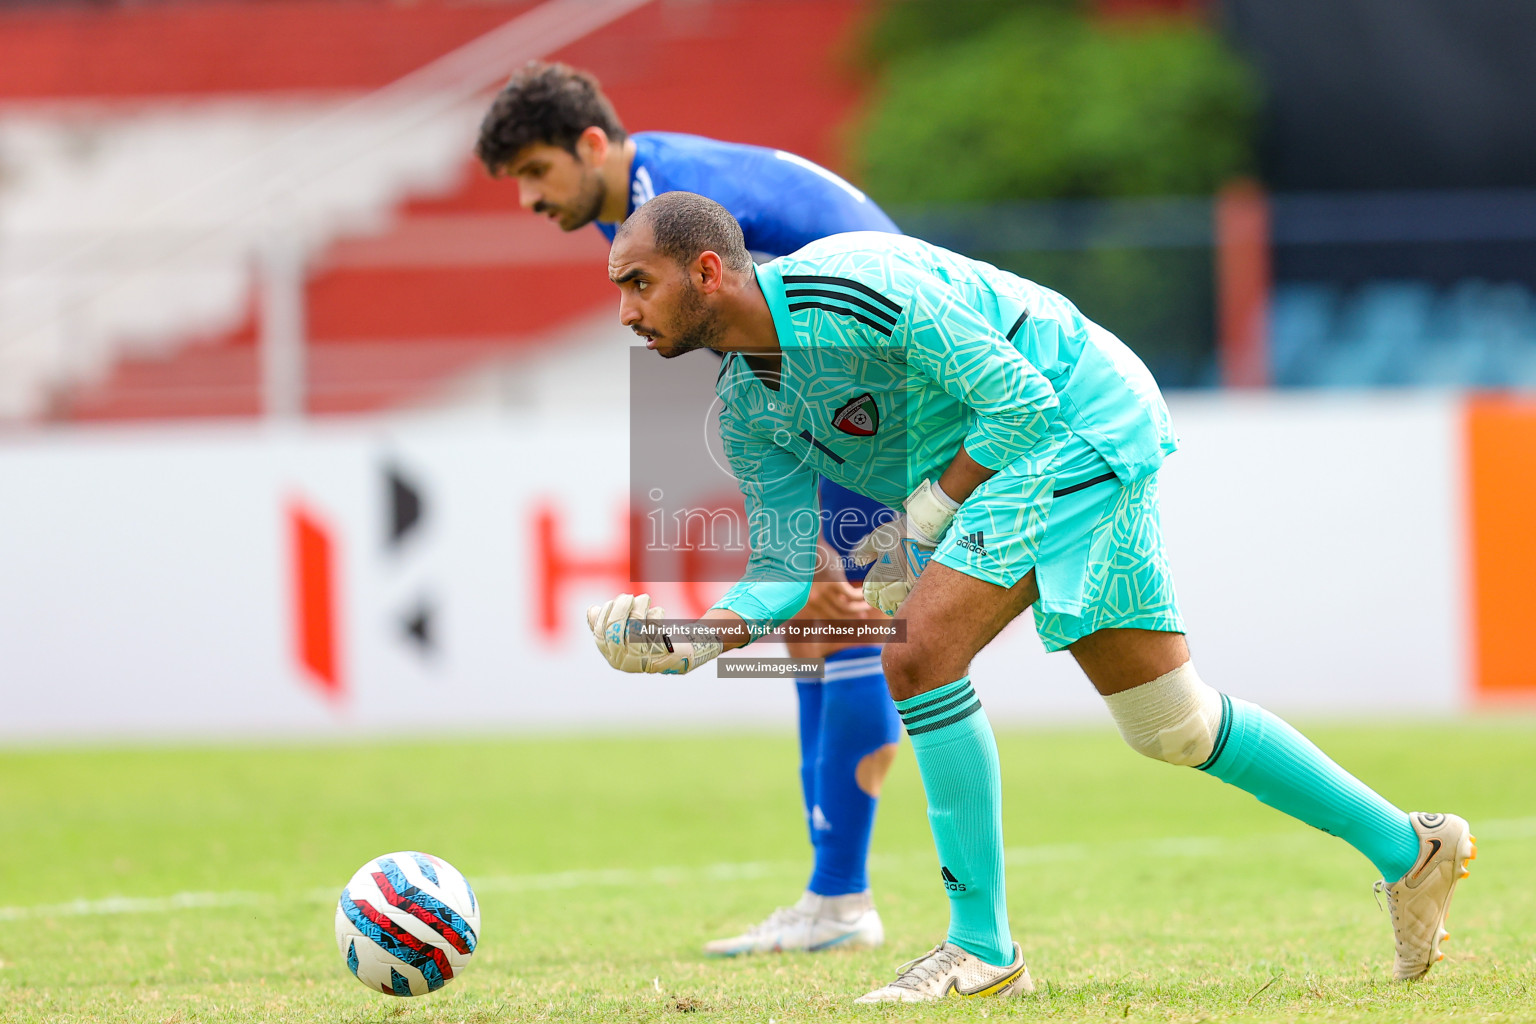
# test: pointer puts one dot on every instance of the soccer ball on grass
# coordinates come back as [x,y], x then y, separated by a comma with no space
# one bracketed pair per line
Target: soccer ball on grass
[407,923]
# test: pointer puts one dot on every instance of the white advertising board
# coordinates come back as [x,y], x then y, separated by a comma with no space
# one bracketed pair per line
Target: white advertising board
[152,583]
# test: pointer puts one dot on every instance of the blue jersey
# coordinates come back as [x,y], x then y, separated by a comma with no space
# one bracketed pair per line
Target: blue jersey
[783,201]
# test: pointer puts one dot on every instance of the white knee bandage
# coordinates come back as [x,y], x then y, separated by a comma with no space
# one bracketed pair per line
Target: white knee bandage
[1173,718]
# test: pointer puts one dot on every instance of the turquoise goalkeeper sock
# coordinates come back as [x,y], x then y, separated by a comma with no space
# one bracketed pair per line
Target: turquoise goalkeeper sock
[1262,755]
[957,757]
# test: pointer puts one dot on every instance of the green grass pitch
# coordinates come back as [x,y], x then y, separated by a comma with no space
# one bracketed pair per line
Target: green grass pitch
[198,885]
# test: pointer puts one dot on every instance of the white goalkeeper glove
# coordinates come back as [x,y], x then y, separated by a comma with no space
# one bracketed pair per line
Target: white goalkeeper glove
[900,549]
[629,650]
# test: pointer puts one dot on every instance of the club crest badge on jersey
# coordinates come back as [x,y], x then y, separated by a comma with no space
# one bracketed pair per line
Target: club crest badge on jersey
[859,417]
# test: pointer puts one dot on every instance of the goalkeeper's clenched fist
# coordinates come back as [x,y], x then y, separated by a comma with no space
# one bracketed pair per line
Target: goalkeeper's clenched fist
[629,649]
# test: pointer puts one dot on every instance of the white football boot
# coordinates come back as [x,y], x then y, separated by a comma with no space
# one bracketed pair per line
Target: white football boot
[948,970]
[813,924]
[1419,900]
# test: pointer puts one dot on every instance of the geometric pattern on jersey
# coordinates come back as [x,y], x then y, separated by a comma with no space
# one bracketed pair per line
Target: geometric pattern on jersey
[782,201]
[948,352]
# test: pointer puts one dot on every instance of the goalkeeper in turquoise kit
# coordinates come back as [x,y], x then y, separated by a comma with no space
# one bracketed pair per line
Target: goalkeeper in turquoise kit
[1023,442]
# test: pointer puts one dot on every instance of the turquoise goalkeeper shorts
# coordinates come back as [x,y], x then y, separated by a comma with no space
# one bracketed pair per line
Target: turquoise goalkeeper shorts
[1096,546]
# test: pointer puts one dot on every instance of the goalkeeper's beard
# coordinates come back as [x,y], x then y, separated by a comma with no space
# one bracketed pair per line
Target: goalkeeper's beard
[695,326]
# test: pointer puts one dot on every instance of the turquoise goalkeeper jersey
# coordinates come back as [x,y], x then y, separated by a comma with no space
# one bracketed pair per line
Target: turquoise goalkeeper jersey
[895,353]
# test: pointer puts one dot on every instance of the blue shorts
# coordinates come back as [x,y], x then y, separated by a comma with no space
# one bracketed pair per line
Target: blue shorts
[845,518]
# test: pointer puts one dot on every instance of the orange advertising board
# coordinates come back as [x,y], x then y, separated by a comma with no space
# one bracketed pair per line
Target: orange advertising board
[1501,470]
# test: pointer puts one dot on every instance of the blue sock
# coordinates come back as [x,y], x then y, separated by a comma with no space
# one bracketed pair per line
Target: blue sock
[809,692]
[857,719]
[957,757]
[1257,752]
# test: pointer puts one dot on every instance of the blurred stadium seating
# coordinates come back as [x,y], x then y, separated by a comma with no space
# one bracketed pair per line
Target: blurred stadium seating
[1405,333]
[156,156]
[1369,290]
[1408,289]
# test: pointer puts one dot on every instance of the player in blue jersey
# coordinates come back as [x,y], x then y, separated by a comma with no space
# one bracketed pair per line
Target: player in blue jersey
[554,133]
[1027,441]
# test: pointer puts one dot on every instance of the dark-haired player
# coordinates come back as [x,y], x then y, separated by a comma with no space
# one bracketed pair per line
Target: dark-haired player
[554,133]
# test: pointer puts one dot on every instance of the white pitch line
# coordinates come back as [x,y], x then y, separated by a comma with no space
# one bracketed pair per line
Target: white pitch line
[135,905]
[1498,830]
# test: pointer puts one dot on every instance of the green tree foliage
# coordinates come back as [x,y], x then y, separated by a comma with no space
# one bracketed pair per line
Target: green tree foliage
[986,101]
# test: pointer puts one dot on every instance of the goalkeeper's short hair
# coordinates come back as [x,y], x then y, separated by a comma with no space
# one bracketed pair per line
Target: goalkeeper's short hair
[685,224]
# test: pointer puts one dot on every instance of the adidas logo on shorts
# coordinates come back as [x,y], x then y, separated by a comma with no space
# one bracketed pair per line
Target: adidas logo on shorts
[973,542]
